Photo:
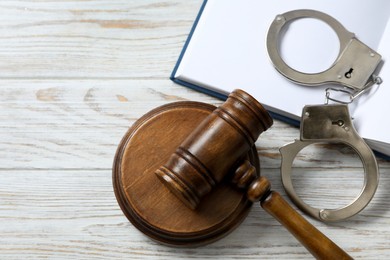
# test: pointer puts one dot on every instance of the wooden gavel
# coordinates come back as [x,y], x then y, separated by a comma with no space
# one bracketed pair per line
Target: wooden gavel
[217,146]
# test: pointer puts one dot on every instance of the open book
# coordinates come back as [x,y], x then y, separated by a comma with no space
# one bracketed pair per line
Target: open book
[226,50]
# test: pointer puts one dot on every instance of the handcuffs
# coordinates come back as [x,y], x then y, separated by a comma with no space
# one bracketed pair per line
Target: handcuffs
[354,69]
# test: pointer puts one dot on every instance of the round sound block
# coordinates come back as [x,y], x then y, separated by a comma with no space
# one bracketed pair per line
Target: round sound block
[148,204]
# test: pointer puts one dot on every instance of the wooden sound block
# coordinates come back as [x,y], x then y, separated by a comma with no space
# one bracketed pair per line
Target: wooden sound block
[148,204]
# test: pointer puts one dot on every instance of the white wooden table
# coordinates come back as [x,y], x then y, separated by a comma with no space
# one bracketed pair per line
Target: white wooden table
[74,75]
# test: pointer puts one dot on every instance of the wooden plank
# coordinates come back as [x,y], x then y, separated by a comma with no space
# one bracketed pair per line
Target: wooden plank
[84,39]
[66,124]
[74,124]
[73,214]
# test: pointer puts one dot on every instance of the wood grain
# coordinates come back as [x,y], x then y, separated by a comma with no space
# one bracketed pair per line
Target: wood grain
[89,39]
[74,75]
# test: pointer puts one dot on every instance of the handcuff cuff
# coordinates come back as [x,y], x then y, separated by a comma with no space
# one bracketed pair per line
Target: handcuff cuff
[354,69]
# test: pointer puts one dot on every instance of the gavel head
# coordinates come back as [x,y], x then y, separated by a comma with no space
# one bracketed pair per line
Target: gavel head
[214,148]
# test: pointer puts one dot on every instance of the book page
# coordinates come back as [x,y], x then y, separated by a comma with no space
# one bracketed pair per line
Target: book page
[372,120]
[228,47]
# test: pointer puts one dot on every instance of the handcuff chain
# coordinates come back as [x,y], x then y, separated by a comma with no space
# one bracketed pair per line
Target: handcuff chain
[374,80]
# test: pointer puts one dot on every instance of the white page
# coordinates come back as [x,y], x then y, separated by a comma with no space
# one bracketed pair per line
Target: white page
[372,114]
[227,50]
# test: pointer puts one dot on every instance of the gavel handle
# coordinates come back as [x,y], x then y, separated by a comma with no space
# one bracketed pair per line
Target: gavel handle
[316,242]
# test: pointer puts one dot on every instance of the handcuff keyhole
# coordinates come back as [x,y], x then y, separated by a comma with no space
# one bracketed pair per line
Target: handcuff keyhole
[348,74]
